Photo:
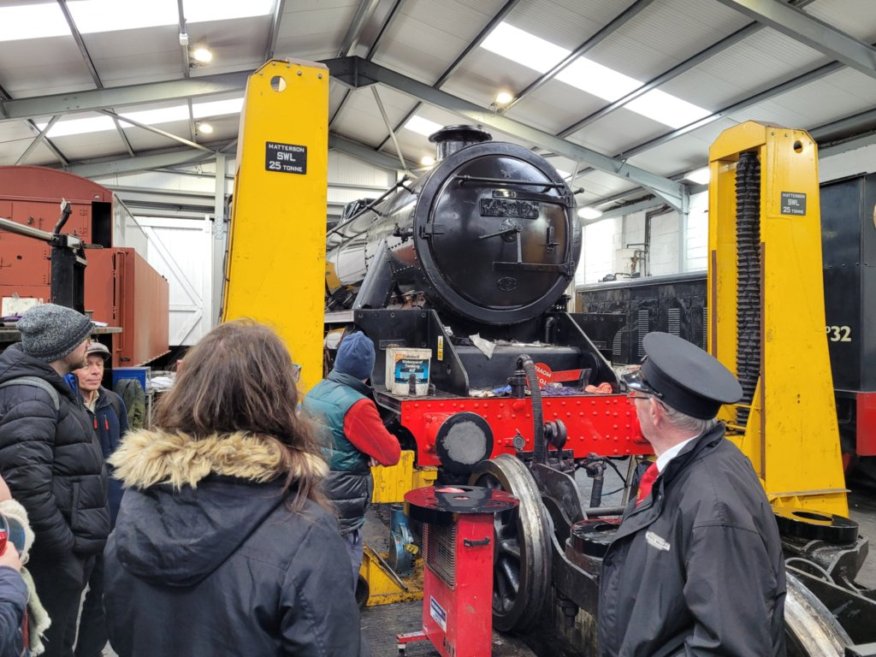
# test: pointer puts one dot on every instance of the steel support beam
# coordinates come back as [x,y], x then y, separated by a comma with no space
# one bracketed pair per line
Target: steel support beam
[474,43]
[177,157]
[157,131]
[807,29]
[138,163]
[276,18]
[135,94]
[365,153]
[363,14]
[36,141]
[357,72]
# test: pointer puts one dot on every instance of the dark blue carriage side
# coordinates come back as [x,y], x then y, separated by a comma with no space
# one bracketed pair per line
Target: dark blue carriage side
[848,227]
[674,304]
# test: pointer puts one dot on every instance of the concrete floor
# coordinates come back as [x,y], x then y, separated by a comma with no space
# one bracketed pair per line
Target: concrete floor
[862,509]
[381,624]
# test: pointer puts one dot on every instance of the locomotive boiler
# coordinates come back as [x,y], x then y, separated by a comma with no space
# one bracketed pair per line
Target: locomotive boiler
[488,236]
[471,262]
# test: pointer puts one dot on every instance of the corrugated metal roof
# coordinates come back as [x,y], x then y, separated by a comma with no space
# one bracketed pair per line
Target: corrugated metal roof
[672,44]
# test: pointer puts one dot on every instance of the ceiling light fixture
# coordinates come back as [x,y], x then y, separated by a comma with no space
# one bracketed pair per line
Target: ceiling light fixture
[427,160]
[503,98]
[205,129]
[202,55]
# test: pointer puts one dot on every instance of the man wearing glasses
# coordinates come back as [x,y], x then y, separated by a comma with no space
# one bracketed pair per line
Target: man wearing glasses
[696,566]
[51,459]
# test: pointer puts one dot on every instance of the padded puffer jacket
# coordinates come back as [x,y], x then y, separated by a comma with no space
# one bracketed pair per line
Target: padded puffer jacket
[52,460]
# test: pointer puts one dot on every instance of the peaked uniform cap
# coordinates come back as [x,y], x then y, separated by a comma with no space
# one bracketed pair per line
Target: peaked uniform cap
[684,376]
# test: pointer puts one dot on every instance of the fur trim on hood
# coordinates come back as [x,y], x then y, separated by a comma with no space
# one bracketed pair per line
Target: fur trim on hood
[146,458]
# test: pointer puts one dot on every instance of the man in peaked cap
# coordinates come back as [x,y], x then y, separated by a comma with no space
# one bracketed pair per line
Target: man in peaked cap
[52,461]
[353,436]
[696,566]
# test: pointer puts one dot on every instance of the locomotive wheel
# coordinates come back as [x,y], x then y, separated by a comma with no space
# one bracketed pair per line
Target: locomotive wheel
[810,629]
[522,556]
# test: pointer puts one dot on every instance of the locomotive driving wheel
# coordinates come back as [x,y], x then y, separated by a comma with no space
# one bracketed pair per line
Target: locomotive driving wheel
[811,629]
[522,557]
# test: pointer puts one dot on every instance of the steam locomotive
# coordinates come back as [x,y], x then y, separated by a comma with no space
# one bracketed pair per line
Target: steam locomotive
[471,262]
[459,277]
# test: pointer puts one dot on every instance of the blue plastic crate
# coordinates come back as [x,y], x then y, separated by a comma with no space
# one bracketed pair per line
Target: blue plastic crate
[141,374]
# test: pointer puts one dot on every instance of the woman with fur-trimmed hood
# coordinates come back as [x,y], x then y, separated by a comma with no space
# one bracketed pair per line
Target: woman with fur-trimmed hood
[224,544]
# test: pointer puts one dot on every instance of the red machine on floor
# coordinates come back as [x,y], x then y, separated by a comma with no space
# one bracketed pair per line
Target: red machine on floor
[121,288]
[458,578]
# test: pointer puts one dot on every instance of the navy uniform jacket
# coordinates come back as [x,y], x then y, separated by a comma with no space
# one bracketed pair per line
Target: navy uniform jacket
[697,568]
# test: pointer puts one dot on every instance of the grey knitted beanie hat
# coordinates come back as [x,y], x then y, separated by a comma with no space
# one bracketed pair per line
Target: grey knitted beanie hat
[49,332]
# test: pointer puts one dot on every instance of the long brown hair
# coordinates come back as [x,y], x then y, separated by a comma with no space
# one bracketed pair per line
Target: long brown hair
[240,378]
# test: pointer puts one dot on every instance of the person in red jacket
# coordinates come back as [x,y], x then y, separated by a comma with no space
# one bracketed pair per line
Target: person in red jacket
[354,437]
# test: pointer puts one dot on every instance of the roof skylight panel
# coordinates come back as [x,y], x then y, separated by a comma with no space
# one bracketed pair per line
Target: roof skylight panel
[588,76]
[217,107]
[597,79]
[524,48]
[667,109]
[422,126]
[90,124]
[87,125]
[198,11]
[160,115]
[32,22]
[92,16]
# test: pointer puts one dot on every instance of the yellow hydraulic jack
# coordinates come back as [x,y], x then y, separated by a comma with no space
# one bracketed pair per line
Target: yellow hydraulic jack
[766,303]
[275,266]
[379,584]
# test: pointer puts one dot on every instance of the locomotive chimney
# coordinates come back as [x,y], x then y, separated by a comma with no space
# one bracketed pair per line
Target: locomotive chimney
[456,137]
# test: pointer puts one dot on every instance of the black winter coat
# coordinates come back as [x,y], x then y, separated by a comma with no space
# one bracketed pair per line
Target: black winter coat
[52,460]
[215,564]
[697,568]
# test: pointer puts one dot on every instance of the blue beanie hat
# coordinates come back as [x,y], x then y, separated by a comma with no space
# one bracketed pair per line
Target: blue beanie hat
[355,356]
[49,332]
